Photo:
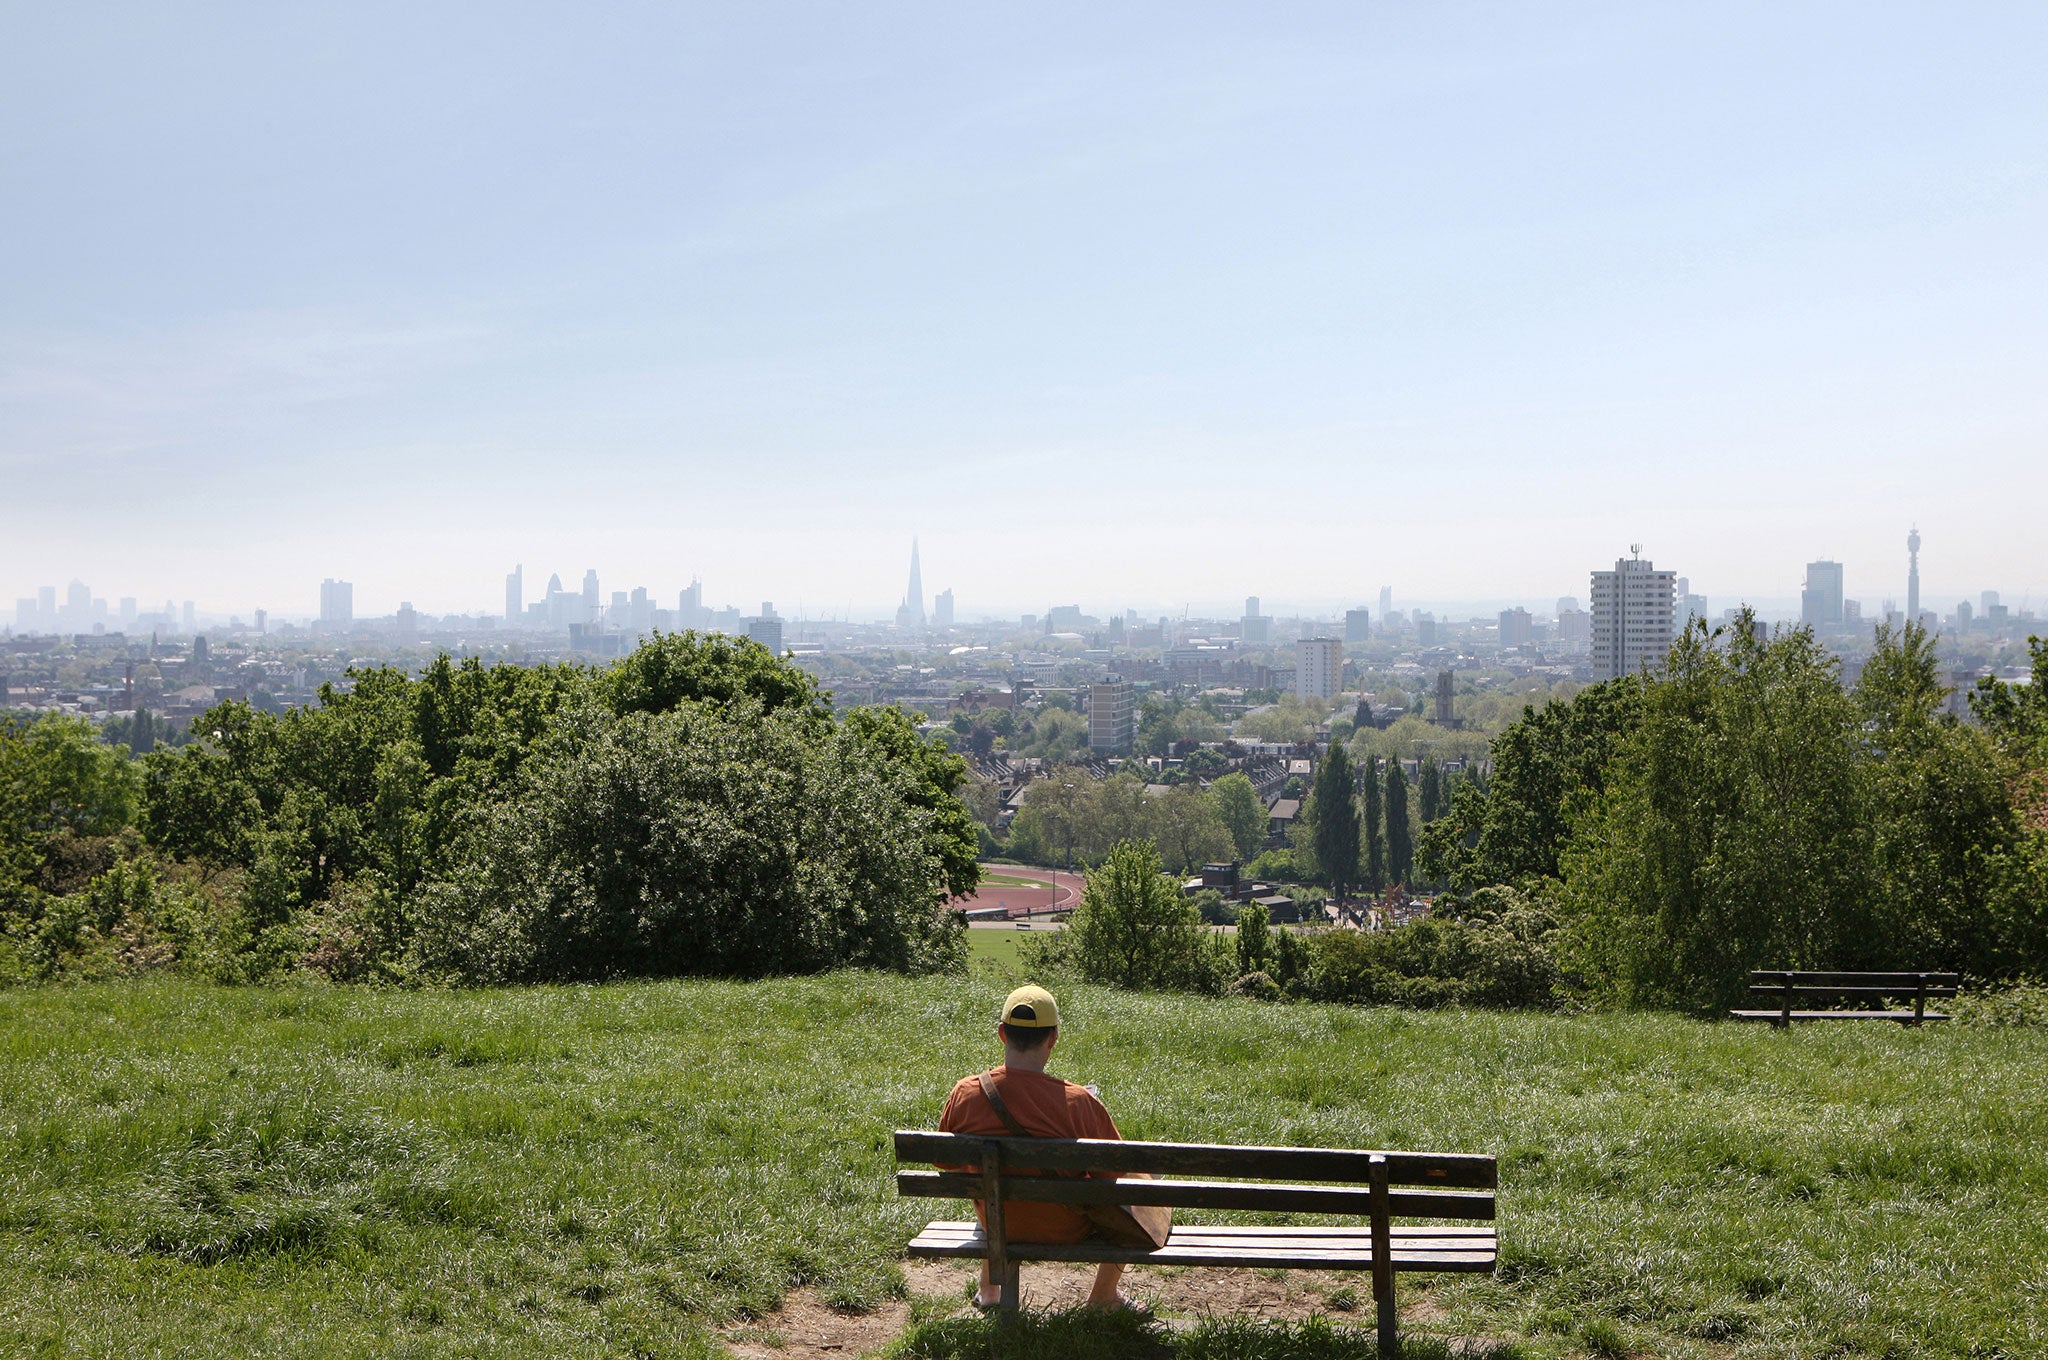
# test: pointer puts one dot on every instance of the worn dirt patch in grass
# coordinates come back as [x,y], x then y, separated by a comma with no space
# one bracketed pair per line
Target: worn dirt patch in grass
[804,1327]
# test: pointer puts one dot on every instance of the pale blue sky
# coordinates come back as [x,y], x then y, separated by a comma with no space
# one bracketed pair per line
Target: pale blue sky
[1118,305]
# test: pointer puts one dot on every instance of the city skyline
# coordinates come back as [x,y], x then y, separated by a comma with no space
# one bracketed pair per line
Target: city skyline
[726,293]
[81,601]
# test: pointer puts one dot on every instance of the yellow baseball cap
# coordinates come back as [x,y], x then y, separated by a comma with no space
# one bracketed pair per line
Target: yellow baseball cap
[1031,1008]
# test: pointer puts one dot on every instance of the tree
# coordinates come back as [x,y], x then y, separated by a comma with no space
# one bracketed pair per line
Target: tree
[1375,840]
[1188,828]
[949,829]
[1949,837]
[1731,831]
[1546,766]
[59,784]
[1333,811]
[712,668]
[1400,845]
[1429,790]
[1237,803]
[1133,927]
[1292,718]
[1253,938]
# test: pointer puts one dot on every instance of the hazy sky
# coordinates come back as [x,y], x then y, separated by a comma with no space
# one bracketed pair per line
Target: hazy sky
[1128,304]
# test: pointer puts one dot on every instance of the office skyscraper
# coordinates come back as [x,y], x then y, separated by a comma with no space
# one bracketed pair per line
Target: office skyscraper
[942,608]
[1632,617]
[766,630]
[1820,603]
[1358,625]
[911,613]
[1257,627]
[515,595]
[1386,603]
[1913,575]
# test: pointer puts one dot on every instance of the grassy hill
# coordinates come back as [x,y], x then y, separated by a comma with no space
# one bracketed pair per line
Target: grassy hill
[610,1170]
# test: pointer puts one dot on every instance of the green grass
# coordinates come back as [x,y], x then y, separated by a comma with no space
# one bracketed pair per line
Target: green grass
[999,946]
[997,881]
[614,1170]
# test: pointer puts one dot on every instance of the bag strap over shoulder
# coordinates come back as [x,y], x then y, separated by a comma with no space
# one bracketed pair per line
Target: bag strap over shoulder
[995,1101]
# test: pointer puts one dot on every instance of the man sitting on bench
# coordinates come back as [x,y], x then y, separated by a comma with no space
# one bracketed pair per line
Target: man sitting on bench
[1019,1099]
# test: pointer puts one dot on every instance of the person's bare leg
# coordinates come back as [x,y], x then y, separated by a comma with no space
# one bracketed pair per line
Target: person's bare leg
[1104,1294]
[986,1293]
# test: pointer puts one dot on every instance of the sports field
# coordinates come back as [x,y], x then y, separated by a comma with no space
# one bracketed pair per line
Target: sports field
[620,1170]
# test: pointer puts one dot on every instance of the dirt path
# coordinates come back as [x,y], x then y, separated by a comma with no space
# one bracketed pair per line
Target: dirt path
[803,1328]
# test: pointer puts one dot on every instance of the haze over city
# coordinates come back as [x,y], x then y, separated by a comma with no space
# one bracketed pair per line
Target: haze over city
[1148,309]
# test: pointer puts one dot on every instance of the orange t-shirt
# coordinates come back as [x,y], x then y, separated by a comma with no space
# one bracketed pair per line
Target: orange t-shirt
[1049,1108]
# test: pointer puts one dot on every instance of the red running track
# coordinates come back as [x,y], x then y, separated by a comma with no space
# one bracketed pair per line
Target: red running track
[1064,895]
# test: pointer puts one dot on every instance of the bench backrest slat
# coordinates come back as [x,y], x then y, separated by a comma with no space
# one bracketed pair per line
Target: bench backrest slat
[1272,1199]
[1932,990]
[1891,982]
[1445,1170]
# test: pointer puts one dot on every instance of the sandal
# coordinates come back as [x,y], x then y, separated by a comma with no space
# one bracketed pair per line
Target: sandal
[1126,1304]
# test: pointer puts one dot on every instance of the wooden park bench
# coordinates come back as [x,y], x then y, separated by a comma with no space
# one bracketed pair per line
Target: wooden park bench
[1869,988]
[1376,1186]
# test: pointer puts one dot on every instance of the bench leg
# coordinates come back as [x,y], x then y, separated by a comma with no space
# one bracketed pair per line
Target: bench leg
[1383,1258]
[1011,1282]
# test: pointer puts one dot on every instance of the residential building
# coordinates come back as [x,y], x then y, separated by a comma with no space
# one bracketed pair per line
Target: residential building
[337,603]
[1112,712]
[1633,623]
[1318,667]
[1517,628]
[1357,625]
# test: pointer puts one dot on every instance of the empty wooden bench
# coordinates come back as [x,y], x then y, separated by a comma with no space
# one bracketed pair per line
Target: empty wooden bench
[1378,1187]
[1868,988]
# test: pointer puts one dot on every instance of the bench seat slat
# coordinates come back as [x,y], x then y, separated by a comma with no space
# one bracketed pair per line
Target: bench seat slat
[1315,1199]
[1448,1231]
[1903,1017]
[1412,1250]
[1447,1239]
[1437,1170]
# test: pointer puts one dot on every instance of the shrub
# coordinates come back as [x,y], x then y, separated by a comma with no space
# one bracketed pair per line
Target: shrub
[703,840]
